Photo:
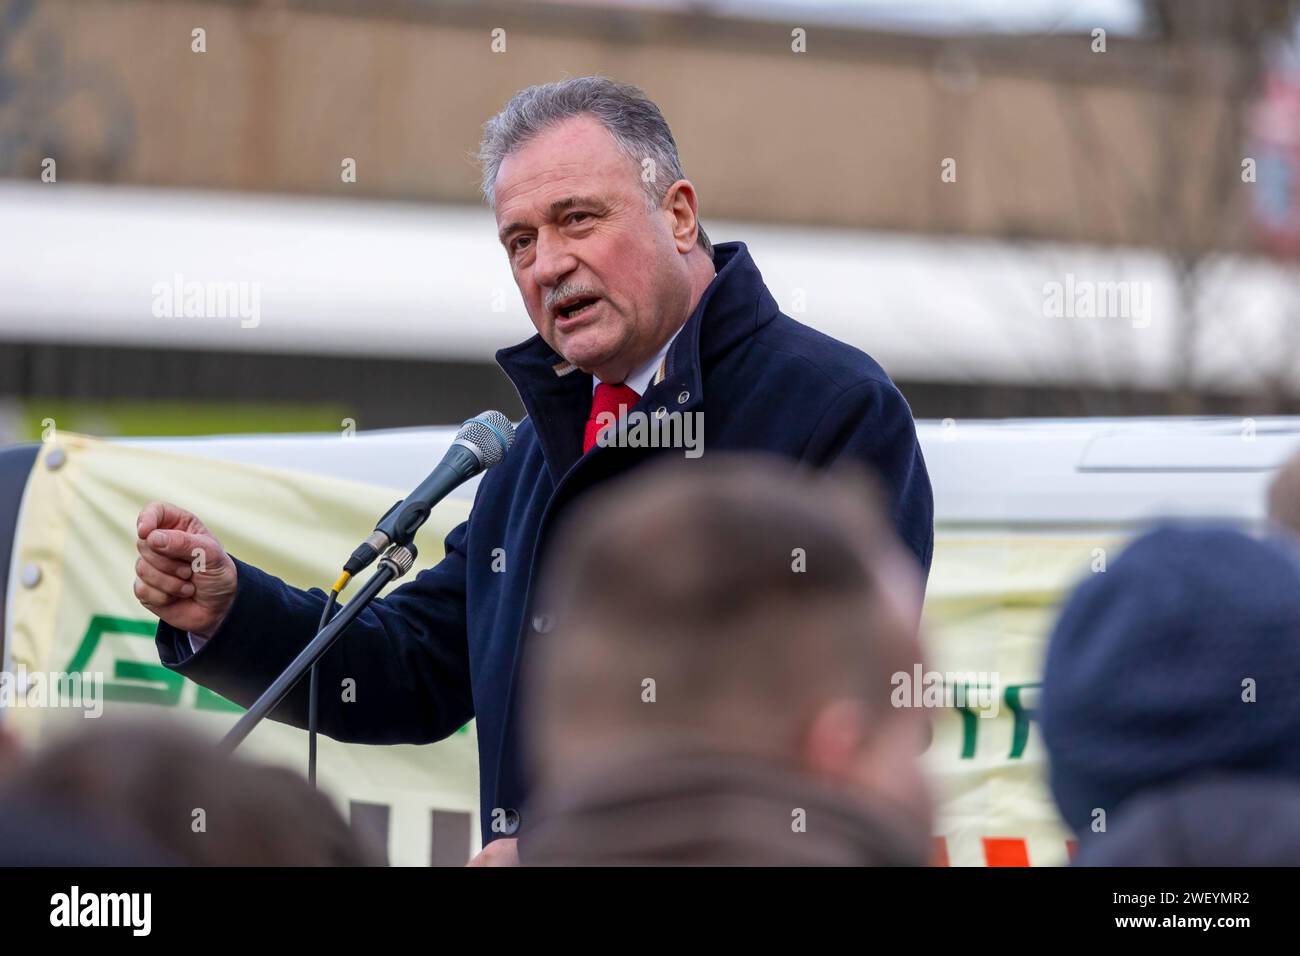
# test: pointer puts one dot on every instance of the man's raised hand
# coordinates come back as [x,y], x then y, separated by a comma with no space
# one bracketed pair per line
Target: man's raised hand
[183,575]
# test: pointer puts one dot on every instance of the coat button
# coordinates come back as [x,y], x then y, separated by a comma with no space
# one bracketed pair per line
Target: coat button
[683,398]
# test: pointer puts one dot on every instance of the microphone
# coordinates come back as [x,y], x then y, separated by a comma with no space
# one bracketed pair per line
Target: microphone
[481,443]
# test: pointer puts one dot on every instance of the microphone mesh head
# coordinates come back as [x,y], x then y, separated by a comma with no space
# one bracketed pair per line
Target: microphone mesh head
[492,433]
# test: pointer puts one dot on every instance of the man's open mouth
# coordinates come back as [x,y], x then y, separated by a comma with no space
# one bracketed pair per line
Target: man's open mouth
[576,306]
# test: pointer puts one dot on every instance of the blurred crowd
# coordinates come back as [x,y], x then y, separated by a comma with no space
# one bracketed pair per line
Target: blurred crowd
[716,690]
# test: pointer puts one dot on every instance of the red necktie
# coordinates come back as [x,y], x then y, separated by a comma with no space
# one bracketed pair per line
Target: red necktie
[607,398]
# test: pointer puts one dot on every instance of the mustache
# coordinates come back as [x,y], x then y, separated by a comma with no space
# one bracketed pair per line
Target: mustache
[567,290]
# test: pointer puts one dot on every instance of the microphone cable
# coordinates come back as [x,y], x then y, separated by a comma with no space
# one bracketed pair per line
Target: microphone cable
[313,685]
[401,521]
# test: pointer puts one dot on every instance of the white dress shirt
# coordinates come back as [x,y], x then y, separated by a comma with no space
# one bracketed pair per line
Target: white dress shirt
[640,378]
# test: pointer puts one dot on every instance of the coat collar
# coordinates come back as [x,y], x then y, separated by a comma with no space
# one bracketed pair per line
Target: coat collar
[557,396]
[690,806]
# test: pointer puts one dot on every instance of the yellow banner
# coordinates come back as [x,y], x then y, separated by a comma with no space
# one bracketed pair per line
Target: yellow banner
[74,606]
[990,604]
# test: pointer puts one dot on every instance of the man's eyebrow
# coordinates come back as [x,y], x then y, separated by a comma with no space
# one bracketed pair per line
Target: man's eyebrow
[555,208]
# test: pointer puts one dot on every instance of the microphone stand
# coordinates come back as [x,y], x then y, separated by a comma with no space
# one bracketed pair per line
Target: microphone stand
[396,561]
[480,443]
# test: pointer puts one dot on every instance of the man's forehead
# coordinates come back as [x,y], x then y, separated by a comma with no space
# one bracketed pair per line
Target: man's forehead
[542,185]
[573,158]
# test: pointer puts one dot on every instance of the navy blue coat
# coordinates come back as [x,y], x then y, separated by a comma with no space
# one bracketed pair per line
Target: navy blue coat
[445,647]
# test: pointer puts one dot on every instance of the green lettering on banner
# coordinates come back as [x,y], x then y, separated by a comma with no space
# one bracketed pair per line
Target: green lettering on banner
[970,720]
[157,685]
[970,724]
[211,700]
[166,695]
[1023,715]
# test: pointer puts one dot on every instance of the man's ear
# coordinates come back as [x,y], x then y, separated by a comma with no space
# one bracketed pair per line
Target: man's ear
[681,204]
[833,744]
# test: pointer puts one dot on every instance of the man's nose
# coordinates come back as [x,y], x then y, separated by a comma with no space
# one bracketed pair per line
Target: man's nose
[553,261]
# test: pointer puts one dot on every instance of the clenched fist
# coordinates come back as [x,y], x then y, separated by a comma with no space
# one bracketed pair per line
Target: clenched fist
[183,575]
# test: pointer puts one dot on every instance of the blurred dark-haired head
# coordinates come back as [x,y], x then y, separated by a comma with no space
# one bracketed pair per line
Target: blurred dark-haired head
[740,606]
[175,792]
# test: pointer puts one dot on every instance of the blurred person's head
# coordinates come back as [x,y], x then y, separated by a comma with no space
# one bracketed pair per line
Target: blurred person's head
[592,206]
[1180,661]
[33,835]
[769,606]
[1284,496]
[177,792]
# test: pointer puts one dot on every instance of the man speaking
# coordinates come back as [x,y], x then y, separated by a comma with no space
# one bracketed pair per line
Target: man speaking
[637,317]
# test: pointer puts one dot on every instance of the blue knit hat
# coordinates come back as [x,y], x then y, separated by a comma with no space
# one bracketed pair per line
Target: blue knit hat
[1150,662]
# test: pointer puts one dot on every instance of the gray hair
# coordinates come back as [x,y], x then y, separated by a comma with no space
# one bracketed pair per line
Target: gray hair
[639,130]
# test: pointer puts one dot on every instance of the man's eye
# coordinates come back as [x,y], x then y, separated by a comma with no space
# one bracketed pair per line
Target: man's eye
[579,216]
[517,245]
